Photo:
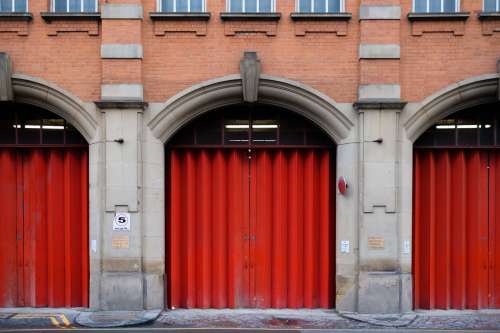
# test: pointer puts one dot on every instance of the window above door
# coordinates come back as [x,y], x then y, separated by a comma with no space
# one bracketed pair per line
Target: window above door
[181,6]
[74,6]
[251,6]
[17,6]
[436,6]
[320,6]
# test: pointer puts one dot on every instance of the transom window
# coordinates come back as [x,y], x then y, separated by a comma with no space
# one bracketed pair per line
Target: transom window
[27,125]
[255,126]
[13,5]
[320,6]
[492,5]
[185,6]
[74,5]
[475,127]
[436,6]
[251,6]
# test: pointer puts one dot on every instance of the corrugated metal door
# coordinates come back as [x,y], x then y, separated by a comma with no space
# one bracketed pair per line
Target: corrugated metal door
[456,262]
[251,228]
[44,229]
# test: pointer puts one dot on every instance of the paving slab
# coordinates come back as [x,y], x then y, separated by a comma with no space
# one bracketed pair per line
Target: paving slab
[104,319]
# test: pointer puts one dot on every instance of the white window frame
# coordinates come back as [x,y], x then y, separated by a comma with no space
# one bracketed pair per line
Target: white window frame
[497,6]
[243,5]
[341,9]
[457,6]
[160,9]
[13,7]
[53,5]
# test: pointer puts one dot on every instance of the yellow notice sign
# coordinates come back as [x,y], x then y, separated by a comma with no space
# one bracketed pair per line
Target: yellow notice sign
[120,242]
[376,242]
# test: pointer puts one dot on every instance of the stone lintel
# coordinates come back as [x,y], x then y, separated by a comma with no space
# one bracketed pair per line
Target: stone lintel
[379,104]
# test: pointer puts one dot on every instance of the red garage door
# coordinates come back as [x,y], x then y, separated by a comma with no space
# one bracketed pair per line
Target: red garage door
[457,215]
[250,227]
[44,217]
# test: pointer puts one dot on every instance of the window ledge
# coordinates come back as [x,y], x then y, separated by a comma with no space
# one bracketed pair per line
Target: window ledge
[71,16]
[321,16]
[166,16]
[448,16]
[226,16]
[15,16]
[489,16]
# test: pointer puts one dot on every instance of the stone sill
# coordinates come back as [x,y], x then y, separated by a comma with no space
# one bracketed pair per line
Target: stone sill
[493,16]
[121,104]
[71,16]
[15,16]
[379,104]
[449,16]
[250,16]
[296,16]
[198,16]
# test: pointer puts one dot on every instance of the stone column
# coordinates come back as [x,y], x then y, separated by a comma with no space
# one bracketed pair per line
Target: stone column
[122,277]
[382,280]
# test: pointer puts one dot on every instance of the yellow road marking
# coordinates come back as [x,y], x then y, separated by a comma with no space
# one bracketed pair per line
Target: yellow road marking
[64,320]
[55,322]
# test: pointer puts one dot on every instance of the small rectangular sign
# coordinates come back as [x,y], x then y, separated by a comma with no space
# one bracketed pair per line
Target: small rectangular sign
[376,242]
[121,222]
[406,247]
[120,242]
[344,246]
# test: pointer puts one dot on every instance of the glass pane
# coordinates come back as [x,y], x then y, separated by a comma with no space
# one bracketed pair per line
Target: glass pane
[73,136]
[167,5]
[89,6]
[250,6]
[265,6]
[426,139]
[486,135]
[236,6]
[5,5]
[182,6]
[60,5]
[29,127]
[316,138]
[7,127]
[420,6]
[209,130]
[291,129]
[236,127]
[184,137]
[305,6]
[489,5]
[449,5]
[265,127]
[319,6]
[53,130]
[434,6]
[196,5]
[334,6]
[20,6]
[75,6]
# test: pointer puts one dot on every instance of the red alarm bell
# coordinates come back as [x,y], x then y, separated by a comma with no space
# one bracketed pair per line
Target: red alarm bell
[342,185]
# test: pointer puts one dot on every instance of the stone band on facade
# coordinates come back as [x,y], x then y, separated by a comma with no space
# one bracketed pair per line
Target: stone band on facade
[122,11]
[379,51]
[121,51]
[134,92]
[367,12]
[379,91]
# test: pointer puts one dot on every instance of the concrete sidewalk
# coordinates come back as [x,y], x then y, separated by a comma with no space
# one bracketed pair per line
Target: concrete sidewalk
[294,320]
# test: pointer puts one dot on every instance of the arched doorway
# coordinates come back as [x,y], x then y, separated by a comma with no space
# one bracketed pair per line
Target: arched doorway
[44,209]
[250,211]
[456,222]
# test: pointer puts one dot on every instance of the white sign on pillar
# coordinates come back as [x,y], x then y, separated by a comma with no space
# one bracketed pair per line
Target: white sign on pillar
[121,222]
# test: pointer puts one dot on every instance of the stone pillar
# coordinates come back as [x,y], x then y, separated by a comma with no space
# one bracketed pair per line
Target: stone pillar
[381,277]
[122,105]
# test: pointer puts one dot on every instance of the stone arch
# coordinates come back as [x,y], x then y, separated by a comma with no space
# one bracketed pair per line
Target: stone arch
[227,90]
[455,97]
[35,91]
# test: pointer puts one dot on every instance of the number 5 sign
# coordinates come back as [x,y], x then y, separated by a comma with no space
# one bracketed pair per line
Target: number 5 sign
[121,222]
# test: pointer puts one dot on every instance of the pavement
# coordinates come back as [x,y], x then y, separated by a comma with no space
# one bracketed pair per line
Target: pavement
[248,320]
